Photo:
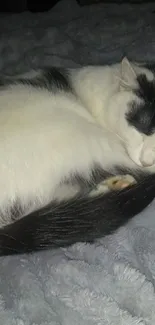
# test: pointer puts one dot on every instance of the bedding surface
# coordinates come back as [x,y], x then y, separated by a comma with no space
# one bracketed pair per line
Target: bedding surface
[111,282]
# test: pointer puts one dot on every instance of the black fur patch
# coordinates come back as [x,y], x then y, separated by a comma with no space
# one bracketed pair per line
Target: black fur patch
[55,79]
[142,116]
[76,220]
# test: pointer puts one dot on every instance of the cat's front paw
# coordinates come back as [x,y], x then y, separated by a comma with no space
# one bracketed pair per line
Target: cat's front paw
[113,183]
[119,182]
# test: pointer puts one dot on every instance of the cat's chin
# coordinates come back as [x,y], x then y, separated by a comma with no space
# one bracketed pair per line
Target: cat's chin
[142,157]
[142,164]
[147,157]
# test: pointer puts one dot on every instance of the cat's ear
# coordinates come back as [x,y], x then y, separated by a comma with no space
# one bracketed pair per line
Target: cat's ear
[128,75]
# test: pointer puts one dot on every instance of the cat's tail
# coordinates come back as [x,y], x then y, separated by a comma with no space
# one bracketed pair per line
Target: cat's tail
[77,220]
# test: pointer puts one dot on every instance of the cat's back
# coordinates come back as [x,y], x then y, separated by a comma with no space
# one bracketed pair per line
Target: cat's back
[24,106]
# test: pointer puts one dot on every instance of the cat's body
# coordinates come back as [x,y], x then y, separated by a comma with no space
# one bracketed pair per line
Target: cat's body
[61,133]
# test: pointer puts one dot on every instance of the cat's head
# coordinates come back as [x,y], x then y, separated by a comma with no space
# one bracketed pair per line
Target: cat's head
[135,113]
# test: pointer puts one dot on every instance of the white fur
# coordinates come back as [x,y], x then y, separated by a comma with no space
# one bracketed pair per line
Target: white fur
[106,93]
[46,137]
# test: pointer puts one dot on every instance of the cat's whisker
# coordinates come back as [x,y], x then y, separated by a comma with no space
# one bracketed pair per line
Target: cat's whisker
[123,140]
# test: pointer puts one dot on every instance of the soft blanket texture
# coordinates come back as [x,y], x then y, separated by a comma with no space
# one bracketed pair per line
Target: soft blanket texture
[112,282]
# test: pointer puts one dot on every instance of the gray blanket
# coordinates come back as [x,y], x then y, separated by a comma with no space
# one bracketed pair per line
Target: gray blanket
[111,282]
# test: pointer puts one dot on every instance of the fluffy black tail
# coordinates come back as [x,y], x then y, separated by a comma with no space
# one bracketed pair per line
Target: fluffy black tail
[78,220]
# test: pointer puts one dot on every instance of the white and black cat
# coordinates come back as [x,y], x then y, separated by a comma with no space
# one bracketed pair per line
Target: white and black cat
[64,134]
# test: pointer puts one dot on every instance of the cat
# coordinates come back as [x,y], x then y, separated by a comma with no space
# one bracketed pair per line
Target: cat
[77,153]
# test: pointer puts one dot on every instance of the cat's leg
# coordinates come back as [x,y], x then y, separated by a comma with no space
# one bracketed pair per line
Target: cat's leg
[113,183]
